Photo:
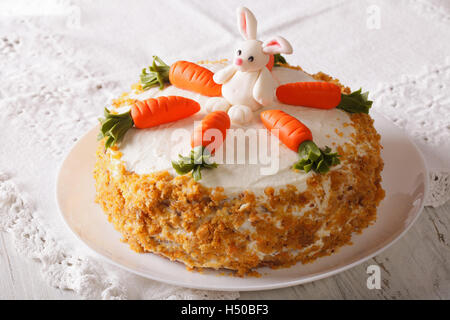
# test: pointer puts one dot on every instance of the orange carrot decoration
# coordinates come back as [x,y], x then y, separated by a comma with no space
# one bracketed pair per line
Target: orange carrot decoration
[297,137]
[190,76]
[153,112]
[182,74]
[199,157]
[279,60]
[218,120]
[323,95]
[291,131]
[271,62]
[146,114]
[275,60]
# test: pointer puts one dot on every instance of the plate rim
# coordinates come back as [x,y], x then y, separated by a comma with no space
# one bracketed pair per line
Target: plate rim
[262,287]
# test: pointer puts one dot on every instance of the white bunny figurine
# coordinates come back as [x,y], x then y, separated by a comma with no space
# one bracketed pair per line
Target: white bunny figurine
[247,84]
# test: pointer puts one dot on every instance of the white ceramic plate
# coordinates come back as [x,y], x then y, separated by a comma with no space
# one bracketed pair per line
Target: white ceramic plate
[404,179]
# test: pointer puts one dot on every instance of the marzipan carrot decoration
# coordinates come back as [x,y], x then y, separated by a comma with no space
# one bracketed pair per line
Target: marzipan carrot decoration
[218,120]
[275,60]
[323,95]
[182,74]
[297,137]
[190,76]
[146,114]
[290,130]
[214,125]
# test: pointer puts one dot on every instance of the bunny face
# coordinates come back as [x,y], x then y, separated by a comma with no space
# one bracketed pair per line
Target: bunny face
[249,56]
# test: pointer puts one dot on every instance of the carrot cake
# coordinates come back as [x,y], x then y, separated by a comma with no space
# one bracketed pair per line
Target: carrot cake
[239,163]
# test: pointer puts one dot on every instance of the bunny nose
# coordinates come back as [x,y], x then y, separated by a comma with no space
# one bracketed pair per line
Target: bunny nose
[238,61]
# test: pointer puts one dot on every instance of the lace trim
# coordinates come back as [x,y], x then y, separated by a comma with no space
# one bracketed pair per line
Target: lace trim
[417,104]
[61,269]
[429,9]
[439,192]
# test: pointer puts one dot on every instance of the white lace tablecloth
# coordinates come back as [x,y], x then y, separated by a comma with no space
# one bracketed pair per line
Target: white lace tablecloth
[61,62]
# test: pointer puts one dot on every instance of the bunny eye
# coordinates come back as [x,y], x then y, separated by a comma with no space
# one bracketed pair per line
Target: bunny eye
[239,52]
[251,58]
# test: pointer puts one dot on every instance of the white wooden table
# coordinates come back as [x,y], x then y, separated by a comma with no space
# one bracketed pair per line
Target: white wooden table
[416,267]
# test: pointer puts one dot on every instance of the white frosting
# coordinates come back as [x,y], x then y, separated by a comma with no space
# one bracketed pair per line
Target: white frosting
[151,150]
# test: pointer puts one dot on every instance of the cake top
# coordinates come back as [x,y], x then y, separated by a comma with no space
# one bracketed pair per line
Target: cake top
[257,94]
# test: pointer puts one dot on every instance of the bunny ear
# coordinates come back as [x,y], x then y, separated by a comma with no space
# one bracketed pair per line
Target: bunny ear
[277,45]
[246,23]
